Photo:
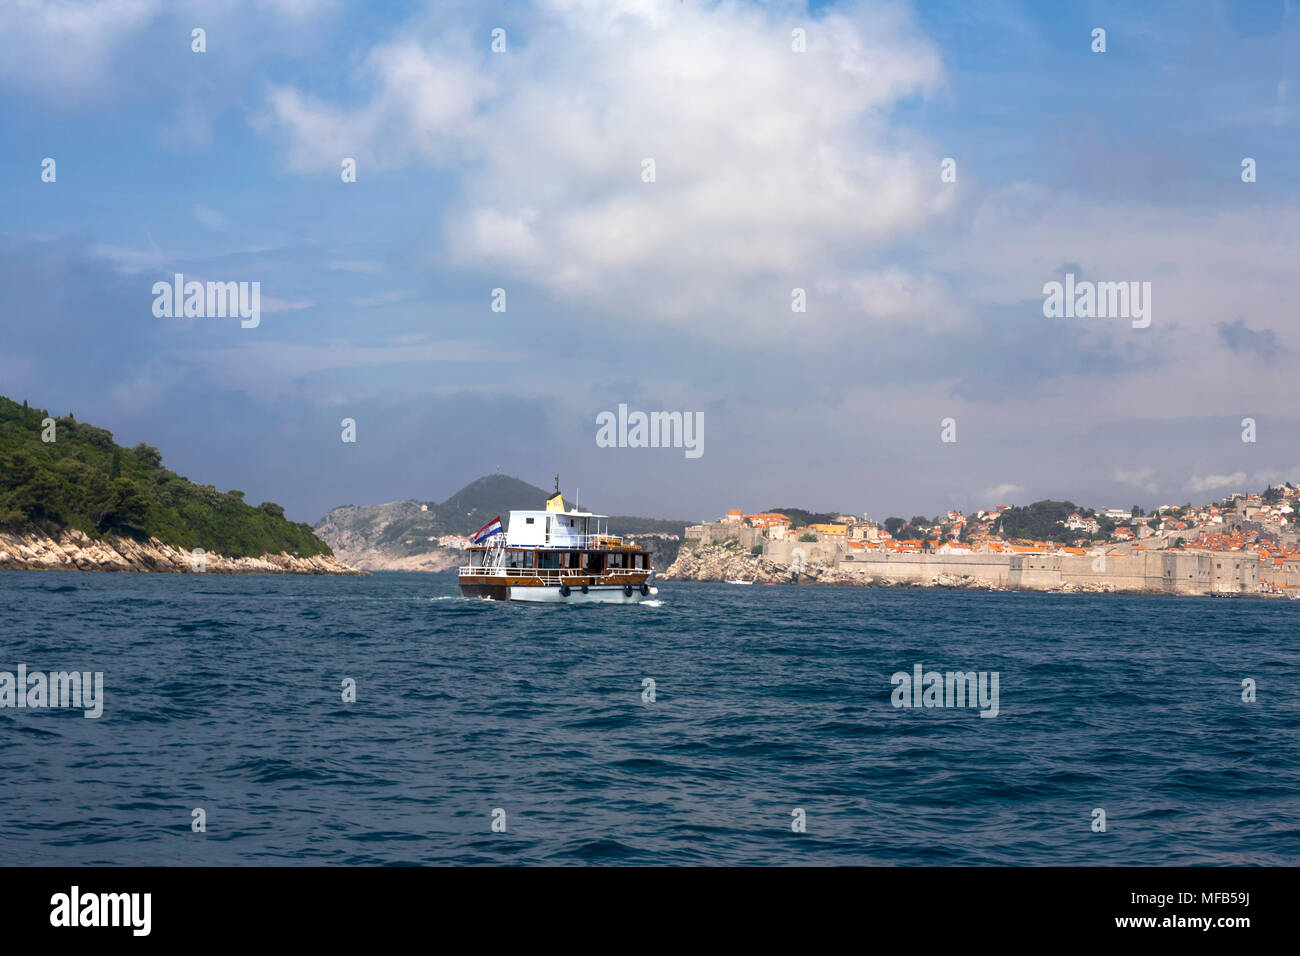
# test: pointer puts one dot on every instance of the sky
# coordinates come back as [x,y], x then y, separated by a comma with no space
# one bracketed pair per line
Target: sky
[782,161]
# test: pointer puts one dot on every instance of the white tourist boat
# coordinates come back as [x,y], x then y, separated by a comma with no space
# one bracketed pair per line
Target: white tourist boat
[558,555]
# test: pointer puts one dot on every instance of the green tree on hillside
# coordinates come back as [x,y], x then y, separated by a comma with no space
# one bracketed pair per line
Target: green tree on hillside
[147,453]
[1038,521]
[86,481]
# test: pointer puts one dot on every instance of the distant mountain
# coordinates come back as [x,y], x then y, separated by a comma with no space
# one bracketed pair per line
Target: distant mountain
[403,535]
[486,498]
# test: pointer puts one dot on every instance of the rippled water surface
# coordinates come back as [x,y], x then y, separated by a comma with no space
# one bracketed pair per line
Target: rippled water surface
[224,693]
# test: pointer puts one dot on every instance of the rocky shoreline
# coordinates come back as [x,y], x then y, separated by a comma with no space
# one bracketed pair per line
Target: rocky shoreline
[721,563]
[430,562]
[75,551]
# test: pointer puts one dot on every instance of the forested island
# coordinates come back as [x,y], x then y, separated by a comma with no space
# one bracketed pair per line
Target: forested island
[70,497]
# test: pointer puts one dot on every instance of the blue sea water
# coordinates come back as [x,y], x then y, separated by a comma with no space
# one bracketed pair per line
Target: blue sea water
[224,693]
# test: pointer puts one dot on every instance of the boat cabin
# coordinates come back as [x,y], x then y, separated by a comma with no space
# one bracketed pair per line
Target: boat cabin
[560,540]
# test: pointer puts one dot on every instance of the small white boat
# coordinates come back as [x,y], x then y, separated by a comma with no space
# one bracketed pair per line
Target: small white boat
[738,581]
[558,556]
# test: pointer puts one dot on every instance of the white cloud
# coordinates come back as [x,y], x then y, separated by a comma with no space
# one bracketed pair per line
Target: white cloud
[1143,478]
[1274,476]
[896,295]
[380,298]
[66,47]
[774,169]
[299,9]
[1021,235]
[424,105]
[272,304]
[1002,491]
[129,261]
[1218,482]
[211,218]
[77,53]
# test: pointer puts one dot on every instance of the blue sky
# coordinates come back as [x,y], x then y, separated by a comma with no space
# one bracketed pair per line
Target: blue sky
[774,170]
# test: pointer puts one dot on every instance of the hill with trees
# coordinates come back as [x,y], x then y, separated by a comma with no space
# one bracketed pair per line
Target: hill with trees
[1037,521]
[58,474]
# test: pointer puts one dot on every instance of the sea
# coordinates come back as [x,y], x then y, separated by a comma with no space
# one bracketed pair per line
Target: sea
[293,720]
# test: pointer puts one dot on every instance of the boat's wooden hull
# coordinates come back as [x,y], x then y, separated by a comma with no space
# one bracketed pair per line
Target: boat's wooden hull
[497,592]
[592,589]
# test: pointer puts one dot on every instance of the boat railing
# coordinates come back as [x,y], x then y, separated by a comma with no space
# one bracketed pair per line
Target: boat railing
[561,542]
[588,541]
[550,575]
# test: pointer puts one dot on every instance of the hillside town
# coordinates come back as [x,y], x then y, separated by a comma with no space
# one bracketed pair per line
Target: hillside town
[1242,544]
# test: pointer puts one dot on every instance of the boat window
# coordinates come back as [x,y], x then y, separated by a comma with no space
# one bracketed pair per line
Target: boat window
[528,521]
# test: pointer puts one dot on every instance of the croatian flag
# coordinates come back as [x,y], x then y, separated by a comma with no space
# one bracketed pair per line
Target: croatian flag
[487,531]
